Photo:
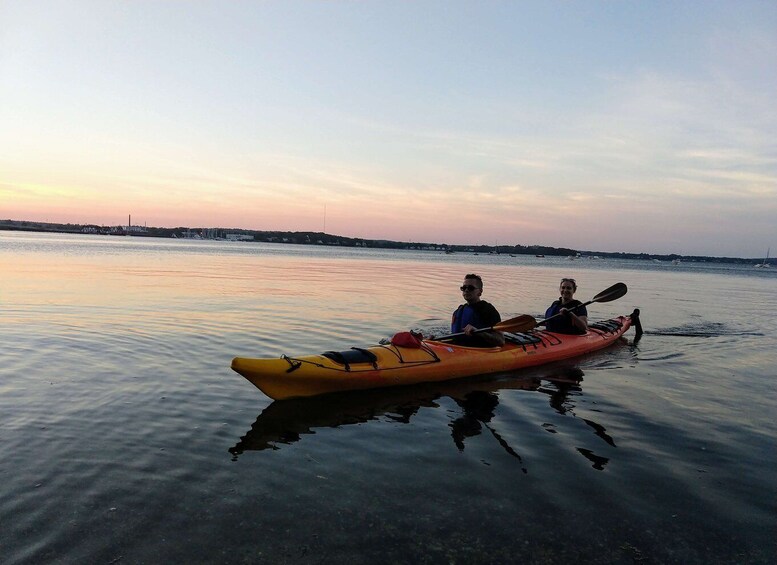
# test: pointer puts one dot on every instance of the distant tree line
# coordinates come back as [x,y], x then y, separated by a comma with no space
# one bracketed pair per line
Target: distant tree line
[320,238]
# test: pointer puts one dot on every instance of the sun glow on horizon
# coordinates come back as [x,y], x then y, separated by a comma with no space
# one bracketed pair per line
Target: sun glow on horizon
[541,133]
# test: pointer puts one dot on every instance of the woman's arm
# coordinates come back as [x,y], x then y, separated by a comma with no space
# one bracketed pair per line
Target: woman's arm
[580,322]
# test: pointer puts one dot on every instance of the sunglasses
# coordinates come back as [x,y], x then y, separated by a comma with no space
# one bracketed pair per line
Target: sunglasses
[467,287]
[568,280]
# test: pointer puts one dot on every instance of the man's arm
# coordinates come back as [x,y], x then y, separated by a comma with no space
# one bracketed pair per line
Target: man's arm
[491,317]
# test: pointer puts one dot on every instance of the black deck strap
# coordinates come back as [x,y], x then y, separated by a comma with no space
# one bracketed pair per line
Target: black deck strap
[368,355]
[293,363]
[338,358]
[549,339]
[521,338]
[607,326]
[353,355]
[397,351]
[430,352]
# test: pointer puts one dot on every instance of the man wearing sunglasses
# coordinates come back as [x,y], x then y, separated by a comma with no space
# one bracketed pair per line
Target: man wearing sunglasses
[476,314]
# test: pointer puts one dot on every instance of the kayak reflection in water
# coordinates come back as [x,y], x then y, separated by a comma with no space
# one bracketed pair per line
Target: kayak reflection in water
[285,422]
[573,318]
[475,314]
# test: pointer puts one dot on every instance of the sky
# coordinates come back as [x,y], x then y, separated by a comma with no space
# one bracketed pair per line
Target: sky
[602,126]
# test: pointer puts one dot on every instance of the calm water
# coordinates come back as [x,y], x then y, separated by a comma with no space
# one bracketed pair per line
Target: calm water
[126,438]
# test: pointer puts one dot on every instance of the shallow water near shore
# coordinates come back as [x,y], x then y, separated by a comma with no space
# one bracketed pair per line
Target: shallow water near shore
[125,437]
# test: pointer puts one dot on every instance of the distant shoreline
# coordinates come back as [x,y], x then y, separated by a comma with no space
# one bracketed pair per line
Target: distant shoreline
[320,238]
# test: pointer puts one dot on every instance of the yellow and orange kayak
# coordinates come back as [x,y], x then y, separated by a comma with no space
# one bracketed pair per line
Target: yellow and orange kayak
[389,365]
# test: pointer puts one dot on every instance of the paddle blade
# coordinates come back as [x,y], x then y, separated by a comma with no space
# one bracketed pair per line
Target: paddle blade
[522,323]
[613,293]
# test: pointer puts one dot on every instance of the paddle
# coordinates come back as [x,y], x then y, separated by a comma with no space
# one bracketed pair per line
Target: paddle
[607,295]
[521,323]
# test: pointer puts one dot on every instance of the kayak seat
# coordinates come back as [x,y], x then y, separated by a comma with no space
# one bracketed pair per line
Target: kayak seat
[606,326]
[521,338]
[353,355]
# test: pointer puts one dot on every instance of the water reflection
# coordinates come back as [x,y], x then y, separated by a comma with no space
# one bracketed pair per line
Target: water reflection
[285,422]
[478,407]
[565,382]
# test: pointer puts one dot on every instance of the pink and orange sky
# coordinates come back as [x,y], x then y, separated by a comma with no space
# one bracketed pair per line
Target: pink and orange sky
[598,126]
